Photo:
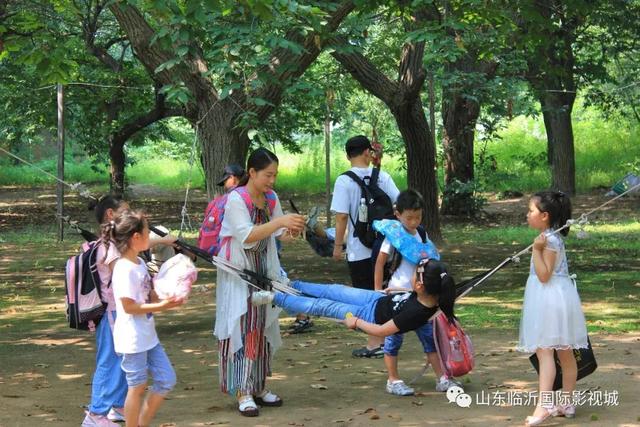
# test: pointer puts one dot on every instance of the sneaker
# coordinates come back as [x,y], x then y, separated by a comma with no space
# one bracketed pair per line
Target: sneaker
[445,383]
[300,326]
[95,420]
[262,298]
[365,352]
[399,388]
[116,414]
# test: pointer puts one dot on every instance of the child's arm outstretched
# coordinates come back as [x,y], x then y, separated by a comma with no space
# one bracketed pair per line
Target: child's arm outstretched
[544,260]
[388,328]
[131,307]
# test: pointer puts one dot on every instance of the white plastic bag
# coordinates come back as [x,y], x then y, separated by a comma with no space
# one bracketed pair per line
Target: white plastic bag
[175,278]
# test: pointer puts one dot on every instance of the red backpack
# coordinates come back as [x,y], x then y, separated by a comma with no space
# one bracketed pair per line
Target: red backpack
[209,235]
[453,346]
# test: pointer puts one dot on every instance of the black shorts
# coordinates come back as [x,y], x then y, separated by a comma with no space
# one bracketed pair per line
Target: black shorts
[361,274]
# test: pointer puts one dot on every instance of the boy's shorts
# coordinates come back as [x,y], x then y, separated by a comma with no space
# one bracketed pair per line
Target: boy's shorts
[392,343]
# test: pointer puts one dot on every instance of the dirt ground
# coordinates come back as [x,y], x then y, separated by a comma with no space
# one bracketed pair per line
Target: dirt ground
[46,368]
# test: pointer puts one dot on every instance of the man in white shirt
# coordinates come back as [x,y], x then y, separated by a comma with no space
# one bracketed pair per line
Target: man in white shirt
[346,199]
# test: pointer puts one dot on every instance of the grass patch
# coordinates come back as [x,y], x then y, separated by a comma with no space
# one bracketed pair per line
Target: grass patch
[606,265]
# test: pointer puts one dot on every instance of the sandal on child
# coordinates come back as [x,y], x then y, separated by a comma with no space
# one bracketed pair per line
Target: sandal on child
[247,406]
[534,421]
[266,398]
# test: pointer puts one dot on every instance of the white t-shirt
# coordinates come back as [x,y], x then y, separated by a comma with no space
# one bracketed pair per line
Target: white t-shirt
[401,278]
[346,198]
[132,333]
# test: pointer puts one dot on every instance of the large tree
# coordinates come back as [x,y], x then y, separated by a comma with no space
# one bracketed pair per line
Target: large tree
[110,100]
[192,52]
[567,43]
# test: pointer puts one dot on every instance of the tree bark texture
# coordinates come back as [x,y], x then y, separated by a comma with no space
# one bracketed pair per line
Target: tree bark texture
[216,121]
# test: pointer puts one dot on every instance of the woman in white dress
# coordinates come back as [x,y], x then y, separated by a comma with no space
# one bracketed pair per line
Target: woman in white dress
[248,335]
[552,317]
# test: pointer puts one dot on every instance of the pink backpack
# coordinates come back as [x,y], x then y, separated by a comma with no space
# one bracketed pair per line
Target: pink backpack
[209,235]
[82,288]
[453,346]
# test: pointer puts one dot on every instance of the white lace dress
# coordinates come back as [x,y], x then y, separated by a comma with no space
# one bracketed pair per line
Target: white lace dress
[552,315]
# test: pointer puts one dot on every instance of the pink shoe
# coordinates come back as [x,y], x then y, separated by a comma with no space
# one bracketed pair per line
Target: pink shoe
[95,420]
[534,421]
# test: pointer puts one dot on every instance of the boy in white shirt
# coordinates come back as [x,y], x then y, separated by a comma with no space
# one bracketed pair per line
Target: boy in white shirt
[408,210]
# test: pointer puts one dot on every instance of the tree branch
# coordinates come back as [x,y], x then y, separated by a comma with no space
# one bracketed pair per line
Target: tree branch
[286,65]
[158,113]
[365,72]
[140,34]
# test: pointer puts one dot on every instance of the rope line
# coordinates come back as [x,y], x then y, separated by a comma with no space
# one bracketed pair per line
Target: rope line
[78,186]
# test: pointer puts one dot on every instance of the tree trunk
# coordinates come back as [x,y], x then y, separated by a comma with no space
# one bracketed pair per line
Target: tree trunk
[421,168]
[560,137]
[117,161]
[220,140]
[546,117]
[460,115]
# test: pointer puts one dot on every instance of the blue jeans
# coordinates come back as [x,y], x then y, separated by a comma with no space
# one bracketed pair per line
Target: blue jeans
[136,365]
[333,301]
[392,343]
[109,385]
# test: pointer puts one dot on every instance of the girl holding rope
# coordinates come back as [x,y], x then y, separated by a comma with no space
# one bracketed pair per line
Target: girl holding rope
[248,334]
[552,317]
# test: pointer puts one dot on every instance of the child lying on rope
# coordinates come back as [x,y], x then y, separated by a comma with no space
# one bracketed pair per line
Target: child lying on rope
[373,312]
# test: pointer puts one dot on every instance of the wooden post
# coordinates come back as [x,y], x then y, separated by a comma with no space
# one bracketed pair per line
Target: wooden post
[60,186]
[327,154]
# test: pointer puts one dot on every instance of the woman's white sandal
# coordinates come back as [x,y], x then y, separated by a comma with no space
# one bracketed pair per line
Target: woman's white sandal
[267,398]
[247,406]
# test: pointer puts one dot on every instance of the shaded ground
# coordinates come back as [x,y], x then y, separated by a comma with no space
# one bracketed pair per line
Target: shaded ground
[46,368]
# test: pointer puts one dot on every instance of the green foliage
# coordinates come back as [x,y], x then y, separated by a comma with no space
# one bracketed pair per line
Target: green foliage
[463,198]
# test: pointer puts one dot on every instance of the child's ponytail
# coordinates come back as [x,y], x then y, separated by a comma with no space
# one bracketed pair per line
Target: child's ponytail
[436,279]
[106,235]
[558,205]
[447,297]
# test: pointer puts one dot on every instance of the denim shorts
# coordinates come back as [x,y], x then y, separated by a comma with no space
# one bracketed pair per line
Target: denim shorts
[392,343]
[136,367]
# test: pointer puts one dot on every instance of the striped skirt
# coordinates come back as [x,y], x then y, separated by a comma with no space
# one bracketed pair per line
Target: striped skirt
[245,371]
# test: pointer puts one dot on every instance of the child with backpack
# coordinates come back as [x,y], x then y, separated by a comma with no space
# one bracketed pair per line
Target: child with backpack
[109,385]
[248,335]
[398,271]
[552,317]
[134,329]
[208,236]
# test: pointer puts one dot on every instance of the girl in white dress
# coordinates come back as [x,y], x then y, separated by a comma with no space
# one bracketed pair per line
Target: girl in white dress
[552,318]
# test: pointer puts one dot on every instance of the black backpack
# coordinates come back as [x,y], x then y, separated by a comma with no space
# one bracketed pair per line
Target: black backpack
[394,261]
[378,203]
